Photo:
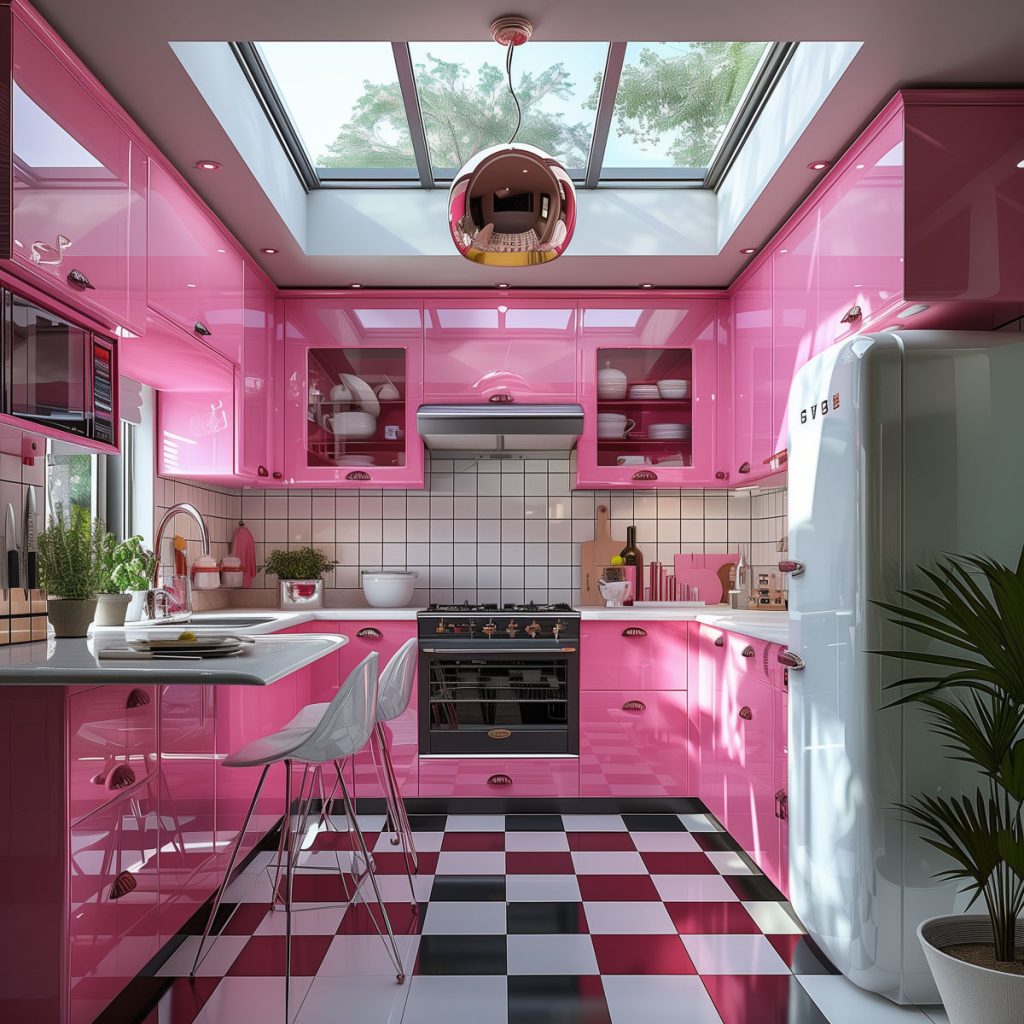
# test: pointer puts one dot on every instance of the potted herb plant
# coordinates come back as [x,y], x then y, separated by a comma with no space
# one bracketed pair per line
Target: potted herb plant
[126,573]
[974,697]
[69,569]
[300,573]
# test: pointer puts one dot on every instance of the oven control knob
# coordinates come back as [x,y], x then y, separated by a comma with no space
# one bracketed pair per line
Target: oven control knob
[440,627]
[512,628]
[490,629]
[533,629]
[558,627]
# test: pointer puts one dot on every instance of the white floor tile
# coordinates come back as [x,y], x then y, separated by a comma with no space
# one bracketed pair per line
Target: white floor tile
[665,842]
[475,823]
[698,823]
[470,862]
[542,889]
[380,1000]
[728,862]
[252,1000]
[693,889]
[772,918]
[842,1002]
[608,862]
[551,954]
[593,823]
[307,919]
[395,888]
[464,919]
[364,955]
[426,842]
[627,917]
[658,999]
[463,999]
[733,954]
[219,954]
[255,888]
[536,842]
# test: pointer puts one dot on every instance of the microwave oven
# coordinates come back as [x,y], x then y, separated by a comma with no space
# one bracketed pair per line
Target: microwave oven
[56,373]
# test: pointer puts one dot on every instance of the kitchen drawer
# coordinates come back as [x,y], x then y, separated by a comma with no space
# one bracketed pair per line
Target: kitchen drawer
[111,744]
[638,655]
[113,905]
[485,776]
[633,744]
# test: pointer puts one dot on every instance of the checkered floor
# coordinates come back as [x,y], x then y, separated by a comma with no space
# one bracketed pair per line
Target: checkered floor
[527,919]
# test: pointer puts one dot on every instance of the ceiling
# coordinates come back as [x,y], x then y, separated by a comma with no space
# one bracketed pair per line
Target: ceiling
[908,43]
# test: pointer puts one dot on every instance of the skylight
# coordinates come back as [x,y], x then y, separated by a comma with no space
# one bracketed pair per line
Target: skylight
[352,113]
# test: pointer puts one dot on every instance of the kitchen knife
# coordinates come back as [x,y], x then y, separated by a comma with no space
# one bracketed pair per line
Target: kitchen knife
[13,554]
[31,568]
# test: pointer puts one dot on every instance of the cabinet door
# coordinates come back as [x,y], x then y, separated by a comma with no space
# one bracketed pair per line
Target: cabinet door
[195,272]
[75,196]
[754,433]
[492,776]
[637,655]
[633,743]
[354,380]
[254,433]
[648,342]
[707,669]
[476,349]
[779,872]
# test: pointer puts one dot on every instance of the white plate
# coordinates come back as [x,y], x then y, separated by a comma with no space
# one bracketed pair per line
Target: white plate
[362,393]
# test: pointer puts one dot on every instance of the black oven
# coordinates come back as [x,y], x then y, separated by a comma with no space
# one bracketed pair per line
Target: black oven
[486,692]
[58,374]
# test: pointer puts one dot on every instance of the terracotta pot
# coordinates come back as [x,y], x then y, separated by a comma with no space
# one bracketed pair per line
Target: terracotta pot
[111,609]
[971,994]
[70,617]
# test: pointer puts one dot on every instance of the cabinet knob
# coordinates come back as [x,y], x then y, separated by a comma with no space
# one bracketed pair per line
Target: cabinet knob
[500,780]
[746,714]
[634,631]
[744,467]
[634,705]
[502,396]
[721,475]
[357,474]
[262,471]
[747,652]
[277,475]
[369,633]
[852,314]
[201,329]
[645,474]
[79,280]
[782,805]
[122,885]
[137,699]
[790,659]
[793,568]
[121,777]
[719,641]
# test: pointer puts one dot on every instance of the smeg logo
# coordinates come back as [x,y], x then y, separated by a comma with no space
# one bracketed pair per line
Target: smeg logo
[821,408]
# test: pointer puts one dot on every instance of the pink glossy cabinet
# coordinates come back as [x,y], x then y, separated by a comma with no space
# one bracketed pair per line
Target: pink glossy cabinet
[478,350]
[353,384]
[640,654]
[633,439]
[79,184]
[195,271]
[258,444]
[492,776]
[753,426]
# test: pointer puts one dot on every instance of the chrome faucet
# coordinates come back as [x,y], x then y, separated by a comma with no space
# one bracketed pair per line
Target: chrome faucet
[163,602]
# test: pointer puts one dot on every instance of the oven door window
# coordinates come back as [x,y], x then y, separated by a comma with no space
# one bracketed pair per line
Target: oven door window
[48,378]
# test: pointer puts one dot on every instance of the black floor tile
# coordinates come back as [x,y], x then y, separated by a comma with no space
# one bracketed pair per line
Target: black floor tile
[546,919]
[197,924]
[716,841]
[534,823]
[428,822]
[556,999]
[468,889]
[802,954]
[462,954]
[753,888]
[653,823]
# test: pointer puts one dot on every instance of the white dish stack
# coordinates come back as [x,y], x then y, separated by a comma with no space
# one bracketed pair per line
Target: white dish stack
[645,392]
[669,431]
[674,389]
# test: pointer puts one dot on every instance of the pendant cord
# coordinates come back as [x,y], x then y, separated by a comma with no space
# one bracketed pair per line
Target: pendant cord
[515,99]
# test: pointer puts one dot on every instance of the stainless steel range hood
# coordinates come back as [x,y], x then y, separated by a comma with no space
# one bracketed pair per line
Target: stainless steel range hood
[499,428]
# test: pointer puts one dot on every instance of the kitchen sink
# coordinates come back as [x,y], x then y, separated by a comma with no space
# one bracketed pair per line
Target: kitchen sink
[238,621]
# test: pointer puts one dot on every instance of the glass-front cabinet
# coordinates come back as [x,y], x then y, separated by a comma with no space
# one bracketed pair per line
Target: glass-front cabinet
[649,385]
[353,380]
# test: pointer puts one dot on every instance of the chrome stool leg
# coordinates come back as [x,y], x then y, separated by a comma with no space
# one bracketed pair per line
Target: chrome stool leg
[396,809]
[289,876]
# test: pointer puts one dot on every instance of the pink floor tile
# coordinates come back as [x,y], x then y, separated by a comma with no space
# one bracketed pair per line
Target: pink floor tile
[263,956]
[641,954]
[539,864]
[711,919]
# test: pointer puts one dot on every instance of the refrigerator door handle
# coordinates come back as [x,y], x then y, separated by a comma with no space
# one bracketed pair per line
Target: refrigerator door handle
[790,659]
[792,567]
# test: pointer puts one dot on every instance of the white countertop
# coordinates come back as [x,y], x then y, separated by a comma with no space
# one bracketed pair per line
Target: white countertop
[770,626]
[75,662]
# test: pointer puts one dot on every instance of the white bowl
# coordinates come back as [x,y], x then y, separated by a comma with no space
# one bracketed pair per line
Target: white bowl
[341,393]
[674,388]
[351,424]
[386,589]
[611,383]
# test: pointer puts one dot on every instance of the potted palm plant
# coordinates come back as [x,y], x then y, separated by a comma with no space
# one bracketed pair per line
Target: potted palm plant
[974,698]
[126,572]
[69,569]
[300,573]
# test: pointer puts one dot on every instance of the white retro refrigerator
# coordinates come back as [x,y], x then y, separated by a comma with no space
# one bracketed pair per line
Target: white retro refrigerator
[902,446]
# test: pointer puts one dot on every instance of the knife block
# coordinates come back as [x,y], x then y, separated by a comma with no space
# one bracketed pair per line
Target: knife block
[22,616]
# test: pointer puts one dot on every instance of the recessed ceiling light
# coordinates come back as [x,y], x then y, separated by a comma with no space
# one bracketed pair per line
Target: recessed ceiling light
[860,167]
[222,250]
[818,165]
[646,284]
[783,250]
[356,284]
[914,310]
[501,284]
[207,165]
[503,309]
[269,252]
[747,252]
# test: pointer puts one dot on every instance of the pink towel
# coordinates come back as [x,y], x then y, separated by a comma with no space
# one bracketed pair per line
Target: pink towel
[243,547]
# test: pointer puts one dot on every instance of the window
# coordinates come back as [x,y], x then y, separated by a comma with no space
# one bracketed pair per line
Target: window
[657,113]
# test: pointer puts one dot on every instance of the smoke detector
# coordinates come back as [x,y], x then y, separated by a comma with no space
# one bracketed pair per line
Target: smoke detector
[511,30]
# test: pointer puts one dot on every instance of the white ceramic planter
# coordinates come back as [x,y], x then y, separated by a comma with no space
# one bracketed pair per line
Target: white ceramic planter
[302,593]
[971,995]
[136,606]
[111,609]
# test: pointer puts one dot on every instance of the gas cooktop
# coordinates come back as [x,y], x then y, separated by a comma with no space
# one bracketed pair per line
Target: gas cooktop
[477,609]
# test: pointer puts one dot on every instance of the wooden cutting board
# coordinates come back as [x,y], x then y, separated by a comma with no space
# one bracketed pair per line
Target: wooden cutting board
[595,555]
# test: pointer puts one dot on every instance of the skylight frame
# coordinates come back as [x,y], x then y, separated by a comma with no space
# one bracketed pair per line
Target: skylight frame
[595,175]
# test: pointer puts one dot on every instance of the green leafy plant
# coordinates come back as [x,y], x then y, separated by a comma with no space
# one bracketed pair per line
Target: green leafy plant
[975,702]
[307,563]
[124,566]
[70,554]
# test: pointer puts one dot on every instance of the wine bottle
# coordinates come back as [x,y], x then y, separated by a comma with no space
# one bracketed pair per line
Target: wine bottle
[632,556]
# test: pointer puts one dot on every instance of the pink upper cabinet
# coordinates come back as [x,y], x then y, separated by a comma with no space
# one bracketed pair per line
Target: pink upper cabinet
[195,272]
[79,187]
[965,194]
[258,455]
[353,384]
[475,349]
[640,341]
